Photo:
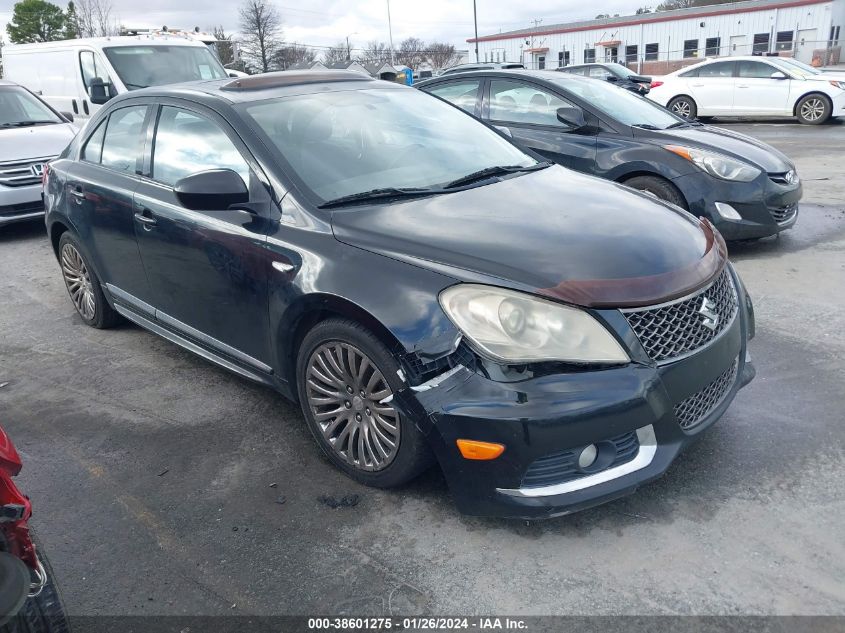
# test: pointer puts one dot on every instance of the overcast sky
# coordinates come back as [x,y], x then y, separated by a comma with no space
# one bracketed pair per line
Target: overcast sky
[325,22]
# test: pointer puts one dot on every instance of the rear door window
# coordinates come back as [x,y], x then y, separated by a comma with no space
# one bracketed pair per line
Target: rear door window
[719,69]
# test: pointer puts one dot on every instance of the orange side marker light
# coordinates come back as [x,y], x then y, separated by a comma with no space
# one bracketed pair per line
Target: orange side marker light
[473,449]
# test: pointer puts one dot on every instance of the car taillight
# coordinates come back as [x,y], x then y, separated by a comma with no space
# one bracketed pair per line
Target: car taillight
[10,461]
[655,84]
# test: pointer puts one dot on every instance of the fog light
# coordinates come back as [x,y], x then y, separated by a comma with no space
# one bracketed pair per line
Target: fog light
[727,211]
[473,449]
[588,456]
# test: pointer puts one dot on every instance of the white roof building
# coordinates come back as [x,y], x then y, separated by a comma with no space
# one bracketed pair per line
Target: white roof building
[657,43]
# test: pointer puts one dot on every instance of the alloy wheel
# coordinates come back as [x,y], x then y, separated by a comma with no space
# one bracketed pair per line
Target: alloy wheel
[345,392]
[812,109]
[681,108]
[78,282]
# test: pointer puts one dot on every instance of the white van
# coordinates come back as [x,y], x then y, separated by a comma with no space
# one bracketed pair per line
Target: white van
[79,76]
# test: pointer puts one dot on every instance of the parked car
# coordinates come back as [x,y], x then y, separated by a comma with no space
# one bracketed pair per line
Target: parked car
[751,87]
[614,73]
[746,188]
[410,277]
[31,133]
[463,68]
[80,75]
[29,598]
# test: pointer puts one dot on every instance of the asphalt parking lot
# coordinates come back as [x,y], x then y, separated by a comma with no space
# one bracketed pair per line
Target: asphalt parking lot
[163,485]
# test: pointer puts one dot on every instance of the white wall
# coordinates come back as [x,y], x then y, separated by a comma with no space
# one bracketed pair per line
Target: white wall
[670,36]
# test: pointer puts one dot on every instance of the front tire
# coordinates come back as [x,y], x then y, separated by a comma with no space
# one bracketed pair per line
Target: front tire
[344,375]
[83,286]
[659,188]
[45,613]
[684,107]
[813,109]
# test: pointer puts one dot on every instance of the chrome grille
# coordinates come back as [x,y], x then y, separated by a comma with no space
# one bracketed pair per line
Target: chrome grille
[20,173]
[784,177]
[679,328]
[784,214]
[693,410]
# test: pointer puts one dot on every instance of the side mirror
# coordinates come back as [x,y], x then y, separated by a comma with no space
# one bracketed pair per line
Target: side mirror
[212,190]
[779,75]
[98,91]
[67,116]
[572,116]
[612,78]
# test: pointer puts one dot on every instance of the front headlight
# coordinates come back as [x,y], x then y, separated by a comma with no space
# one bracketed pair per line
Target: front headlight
[838,84]
[513,327]
[715,164]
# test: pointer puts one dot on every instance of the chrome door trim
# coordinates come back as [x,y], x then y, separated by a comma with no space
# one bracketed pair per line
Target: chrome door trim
[173,337]
[149,311]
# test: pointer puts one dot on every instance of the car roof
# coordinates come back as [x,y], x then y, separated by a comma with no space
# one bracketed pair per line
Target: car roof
[6,82]
[116,40]
[732,58]
[544,75]
[265,86]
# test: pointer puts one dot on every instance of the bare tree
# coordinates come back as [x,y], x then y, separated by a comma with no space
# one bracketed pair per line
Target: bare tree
[292,54]
[336,53]
[225,46]
[441,55]
[261,26]
[375,53]
[93,18]
[411,52]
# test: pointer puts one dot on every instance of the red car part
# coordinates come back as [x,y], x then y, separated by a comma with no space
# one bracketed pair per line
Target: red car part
[15,508]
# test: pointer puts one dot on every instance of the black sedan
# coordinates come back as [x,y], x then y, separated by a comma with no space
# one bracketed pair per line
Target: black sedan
[422,287]
[746,188]
[616,74]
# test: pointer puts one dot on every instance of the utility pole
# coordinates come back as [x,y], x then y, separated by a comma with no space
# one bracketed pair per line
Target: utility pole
[390,32]
[475,21]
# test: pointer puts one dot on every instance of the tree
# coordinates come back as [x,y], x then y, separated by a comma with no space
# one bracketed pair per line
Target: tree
[36,21]
[292,54]
[2,44]
[225,46]
[441,55]
[643,10]
[71,20]
[411,52]
[261,26]
[94,18]
[376,52]
[336,53]
[669,5]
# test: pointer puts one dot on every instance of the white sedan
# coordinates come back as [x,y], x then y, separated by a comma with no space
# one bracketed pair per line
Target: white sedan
[751,87]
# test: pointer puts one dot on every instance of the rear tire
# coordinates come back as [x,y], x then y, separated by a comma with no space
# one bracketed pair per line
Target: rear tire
[83,286]
[813,109]
[344,373]
[658,187]
[684,107]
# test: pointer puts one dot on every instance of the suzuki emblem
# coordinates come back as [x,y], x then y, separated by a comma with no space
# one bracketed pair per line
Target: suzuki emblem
[708,311]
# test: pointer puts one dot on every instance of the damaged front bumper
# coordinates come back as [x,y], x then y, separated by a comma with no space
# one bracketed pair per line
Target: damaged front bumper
[628,414]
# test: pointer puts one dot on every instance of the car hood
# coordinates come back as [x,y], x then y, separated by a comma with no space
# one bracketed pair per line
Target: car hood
[38,141]
[722,141]
[555,232]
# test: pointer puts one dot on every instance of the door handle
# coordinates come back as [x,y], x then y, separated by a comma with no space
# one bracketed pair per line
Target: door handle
[698,85]
[85,106]
[77,193]
[75,106]
[742,85]
[146,218]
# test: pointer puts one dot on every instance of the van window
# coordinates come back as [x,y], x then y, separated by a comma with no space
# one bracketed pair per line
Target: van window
[93,149]
[155,65]
[122,142]
[186,143]
[93,67]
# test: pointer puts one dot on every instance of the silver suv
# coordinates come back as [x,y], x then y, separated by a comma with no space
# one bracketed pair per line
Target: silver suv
[31,134]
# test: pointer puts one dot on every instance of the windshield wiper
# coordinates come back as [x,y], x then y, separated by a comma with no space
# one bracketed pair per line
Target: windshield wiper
[679,124]
[496,170]
[131,85]
[645,126]
[28,123]
[378,194]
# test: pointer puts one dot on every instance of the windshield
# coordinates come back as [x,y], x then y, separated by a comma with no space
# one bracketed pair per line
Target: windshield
[20,108]
[142,66]
[622,105]
[353,141]
[795,67]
